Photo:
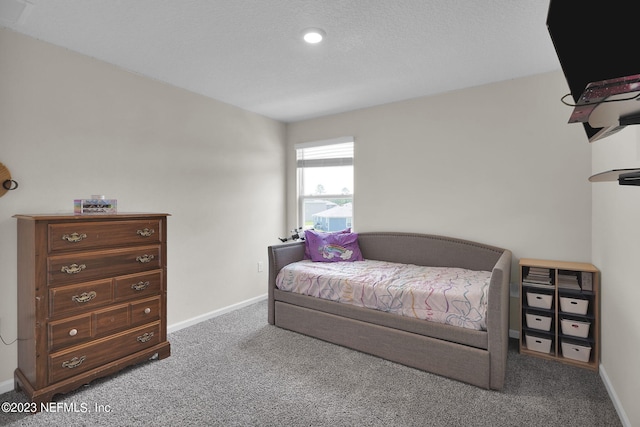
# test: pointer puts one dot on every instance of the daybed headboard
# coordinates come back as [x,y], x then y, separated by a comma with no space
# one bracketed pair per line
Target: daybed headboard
[429,250]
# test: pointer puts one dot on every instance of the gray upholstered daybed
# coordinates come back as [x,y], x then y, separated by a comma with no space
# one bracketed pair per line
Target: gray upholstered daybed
[477,357]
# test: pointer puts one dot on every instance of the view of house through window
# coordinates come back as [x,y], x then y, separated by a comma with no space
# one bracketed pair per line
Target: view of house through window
[325,184]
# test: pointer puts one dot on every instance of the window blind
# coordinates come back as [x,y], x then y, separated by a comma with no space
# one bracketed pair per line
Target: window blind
[340,154]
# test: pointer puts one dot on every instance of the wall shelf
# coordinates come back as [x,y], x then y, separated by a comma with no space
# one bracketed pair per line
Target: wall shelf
[623,176]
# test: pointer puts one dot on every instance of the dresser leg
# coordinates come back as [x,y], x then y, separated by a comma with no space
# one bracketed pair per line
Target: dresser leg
[37,397]
[164,352]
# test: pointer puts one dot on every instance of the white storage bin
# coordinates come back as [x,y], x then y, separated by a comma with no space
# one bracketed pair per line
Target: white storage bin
[576,351]
[535,321]
[539,300]
[574,305]
[543,345]
[575,328]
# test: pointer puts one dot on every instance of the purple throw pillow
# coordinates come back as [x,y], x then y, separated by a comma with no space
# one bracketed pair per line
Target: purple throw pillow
[307,252]
[333,247]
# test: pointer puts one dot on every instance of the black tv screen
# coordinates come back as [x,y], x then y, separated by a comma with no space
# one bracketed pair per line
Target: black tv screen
[595,40]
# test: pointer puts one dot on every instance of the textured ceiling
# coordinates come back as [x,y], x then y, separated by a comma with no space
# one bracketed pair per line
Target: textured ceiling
[249,53]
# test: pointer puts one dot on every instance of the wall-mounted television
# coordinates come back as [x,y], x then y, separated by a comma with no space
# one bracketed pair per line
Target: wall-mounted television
[598,45]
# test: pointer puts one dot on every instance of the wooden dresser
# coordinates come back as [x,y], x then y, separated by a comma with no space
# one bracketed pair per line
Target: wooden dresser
[91,298]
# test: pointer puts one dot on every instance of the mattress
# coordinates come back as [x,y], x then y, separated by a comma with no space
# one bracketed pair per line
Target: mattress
[448,295]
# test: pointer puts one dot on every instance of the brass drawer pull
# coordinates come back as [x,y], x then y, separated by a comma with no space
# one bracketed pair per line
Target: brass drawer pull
[74,237]
[145,337]
[73,268]
[140,286]
[145,258]
[84,297]
[147,232]
[74,363]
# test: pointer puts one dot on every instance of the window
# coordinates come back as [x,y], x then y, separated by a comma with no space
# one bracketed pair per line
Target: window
[325,184]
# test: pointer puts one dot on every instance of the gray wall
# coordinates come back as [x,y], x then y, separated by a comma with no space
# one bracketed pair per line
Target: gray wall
[71,126]
[616,233]
[498,164]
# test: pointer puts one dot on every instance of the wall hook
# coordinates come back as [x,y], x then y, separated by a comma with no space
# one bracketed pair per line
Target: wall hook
[10,184]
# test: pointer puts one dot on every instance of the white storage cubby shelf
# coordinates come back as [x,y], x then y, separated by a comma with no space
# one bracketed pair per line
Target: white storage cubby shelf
[559,311]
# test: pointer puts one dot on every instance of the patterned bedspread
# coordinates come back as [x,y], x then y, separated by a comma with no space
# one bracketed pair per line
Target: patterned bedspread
[454,296]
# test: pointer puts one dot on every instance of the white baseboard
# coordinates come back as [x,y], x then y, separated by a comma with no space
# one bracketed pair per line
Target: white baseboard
[614,398]
[7,386]
[206,316]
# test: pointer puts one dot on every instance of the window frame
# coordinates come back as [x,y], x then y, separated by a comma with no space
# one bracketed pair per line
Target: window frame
[301,164]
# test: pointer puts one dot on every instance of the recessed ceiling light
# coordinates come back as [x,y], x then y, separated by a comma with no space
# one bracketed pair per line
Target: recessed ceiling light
[313,35]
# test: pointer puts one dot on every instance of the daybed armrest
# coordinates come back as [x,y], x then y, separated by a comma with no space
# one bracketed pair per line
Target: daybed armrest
[498,319]
[279,256]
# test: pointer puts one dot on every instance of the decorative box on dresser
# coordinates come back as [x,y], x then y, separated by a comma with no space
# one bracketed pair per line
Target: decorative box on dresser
[92,298]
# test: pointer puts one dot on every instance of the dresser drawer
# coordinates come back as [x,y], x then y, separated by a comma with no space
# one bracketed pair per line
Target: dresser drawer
[89,235]
[81,267]
[111,320]
[68,332]
[145,311]
[138,285]
[75,299]
[82,358]
[102,322]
